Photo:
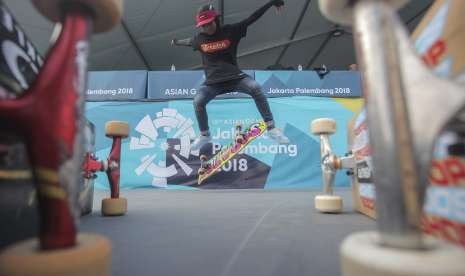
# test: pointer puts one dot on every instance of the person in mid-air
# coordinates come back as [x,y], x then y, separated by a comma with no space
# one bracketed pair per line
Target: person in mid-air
[218,46]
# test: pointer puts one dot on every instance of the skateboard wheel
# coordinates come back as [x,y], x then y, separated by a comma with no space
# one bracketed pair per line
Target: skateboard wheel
[202,171]
[117,129]
[341,11]
[240,139]
[90,256]
[114,206]
[203,158]
[328,203]
[323,126]
[361,254]
[107,13]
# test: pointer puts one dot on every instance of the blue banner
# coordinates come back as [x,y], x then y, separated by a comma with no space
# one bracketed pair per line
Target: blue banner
[343,84]
[116,85]
[158,150]
[171,85]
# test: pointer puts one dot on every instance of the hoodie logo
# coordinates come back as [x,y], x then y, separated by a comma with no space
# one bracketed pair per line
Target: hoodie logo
[216,46]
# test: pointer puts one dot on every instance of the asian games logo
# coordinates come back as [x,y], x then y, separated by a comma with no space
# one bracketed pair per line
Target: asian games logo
[154,134]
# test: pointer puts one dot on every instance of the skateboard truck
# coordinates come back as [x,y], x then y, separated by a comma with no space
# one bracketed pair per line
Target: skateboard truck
[330,163]
[241,137]
[115,205]
[204,166]
[400,93]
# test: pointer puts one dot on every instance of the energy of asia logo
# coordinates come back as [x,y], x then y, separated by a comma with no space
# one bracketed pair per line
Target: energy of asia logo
[154,135]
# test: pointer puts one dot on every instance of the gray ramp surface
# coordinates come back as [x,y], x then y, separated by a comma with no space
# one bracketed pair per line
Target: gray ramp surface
[225,233]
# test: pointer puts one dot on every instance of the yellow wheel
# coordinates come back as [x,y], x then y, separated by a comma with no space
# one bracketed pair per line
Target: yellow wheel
[114,206]
[117,129]
[107,13]
[90,256]
[323,126]
[328,203]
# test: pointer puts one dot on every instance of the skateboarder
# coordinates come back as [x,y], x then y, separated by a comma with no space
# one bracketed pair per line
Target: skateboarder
[218,46]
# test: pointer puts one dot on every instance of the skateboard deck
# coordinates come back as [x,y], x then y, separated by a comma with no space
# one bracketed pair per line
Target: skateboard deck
[209,167]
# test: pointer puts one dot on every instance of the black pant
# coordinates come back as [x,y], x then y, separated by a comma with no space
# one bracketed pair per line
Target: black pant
[246,85]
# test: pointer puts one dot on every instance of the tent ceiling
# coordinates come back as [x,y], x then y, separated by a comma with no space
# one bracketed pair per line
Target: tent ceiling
[298,35]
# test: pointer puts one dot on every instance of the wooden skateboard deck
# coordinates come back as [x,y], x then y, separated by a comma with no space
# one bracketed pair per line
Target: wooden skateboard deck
[210,166]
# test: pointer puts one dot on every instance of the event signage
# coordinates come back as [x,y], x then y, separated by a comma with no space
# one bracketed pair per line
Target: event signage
[171,85]
[158,150]
[116,85]
[333,84]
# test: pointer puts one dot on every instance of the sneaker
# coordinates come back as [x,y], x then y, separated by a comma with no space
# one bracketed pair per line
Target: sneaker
[200,141]
[278,135]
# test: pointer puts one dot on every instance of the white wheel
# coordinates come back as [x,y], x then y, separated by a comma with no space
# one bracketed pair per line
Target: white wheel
[323,126]
[328,203]
[107,12]
[341,11]
[114,206]
[117,129]
[362,255]
[90,256]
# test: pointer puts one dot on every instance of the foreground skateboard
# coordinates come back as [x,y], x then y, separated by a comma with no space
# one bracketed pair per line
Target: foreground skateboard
[446,182]
[48,118]
[209,167]
[406,111]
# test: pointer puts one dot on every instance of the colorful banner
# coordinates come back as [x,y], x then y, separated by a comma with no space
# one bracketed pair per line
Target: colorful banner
[345,84]
[171,85]
[116,85]
[158,150]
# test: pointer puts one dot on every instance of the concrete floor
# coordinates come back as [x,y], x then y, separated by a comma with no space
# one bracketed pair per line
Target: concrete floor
[225,233]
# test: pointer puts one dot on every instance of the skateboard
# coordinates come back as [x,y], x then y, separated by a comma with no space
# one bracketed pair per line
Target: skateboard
[115,205]
[445,173]
[330,163]
[209,167]
[48,120]
[406,111]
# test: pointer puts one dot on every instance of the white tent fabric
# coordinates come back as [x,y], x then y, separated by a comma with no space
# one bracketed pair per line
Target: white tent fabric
[299,34]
